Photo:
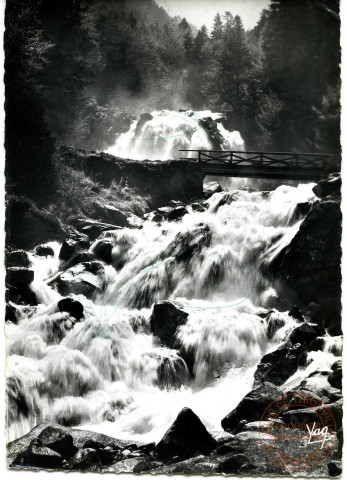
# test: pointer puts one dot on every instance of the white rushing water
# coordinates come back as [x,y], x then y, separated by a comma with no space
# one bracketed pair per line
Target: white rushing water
[167,132]
[108,373]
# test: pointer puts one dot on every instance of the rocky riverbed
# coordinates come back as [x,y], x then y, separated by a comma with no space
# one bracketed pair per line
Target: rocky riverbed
[305,272]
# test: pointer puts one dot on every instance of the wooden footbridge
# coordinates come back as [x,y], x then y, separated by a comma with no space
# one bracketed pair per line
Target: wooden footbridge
[272,165]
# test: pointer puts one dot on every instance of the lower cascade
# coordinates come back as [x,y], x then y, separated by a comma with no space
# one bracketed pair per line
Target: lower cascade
[121,370]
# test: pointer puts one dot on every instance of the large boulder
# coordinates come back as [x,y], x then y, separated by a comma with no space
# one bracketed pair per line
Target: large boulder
[187,437]
[177,213]
[26,224]
[306,333]
[165,320]
[85,459]
[73,307]
[59,441]
[335,377]
[72,245]
[39,456]
[85,278]
[17,258]
[210,188]
[309,267]
[144,118]
[329,186]
[186,244]
[276,367]
[252,406]
[44,251]
[19,276]
[109,214]
[103,250]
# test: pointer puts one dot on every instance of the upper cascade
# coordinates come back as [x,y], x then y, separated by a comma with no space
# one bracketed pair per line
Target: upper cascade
[161,134]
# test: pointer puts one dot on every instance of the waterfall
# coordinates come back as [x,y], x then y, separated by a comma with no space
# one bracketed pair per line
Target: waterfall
[109,373]
[165,132]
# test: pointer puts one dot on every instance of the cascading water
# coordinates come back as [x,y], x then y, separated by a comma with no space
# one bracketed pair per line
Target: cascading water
[163,135]
[108,372]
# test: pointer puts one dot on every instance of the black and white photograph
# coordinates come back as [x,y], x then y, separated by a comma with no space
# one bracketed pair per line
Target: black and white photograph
[173,235]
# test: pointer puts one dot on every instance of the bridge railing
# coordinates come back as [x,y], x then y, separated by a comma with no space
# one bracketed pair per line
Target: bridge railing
[262,159]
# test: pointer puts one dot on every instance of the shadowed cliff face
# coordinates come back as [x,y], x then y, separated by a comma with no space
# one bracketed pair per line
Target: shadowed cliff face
[310,265]
[162,181]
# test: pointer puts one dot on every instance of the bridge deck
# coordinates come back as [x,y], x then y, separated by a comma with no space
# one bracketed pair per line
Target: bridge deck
[276,165]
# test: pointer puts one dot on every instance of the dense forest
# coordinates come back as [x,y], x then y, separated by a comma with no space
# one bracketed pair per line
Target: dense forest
[76,71]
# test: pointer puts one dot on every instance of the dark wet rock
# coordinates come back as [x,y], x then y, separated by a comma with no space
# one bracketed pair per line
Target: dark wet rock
[335,378]
[198,207]
[210,126]
[72,245]
[329,186]
[210,188]
[19,276]
[91,443]
[313,312]
[44,251]
[80,437]
[276,367]
[17,258]
[252,406]
[11,313]
[107,455]
[296,313]
[39,456]
[177,213]
[186,244]
[334,469]
[59,441]
[301,210]
[73,307]
[317,344]
[306,333]
[147,448]
[144,118]
[103,251]
[27,225]
[20,295]
[85,459]
[164,321]
[186,437]
[310,264]
[234,464]
[157,218]
[264,313]
[93,231]
[80,257]
[85,278]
